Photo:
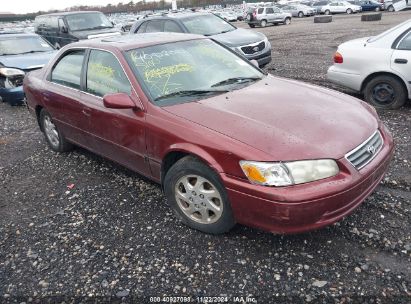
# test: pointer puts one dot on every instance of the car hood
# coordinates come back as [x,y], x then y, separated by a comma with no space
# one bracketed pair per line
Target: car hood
[96,33]
[27,61]
[286,119]
[239,37]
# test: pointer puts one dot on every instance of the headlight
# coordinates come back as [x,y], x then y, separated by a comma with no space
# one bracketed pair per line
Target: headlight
[8,72]
[288,173]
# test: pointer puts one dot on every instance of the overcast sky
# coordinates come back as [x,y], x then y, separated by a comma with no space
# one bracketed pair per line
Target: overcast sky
[28,6]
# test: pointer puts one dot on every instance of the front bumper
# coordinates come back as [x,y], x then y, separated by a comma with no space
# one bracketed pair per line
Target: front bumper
[308,206]
[14,96]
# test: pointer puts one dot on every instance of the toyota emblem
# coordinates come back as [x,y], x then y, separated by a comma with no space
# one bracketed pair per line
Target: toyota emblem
[371,149]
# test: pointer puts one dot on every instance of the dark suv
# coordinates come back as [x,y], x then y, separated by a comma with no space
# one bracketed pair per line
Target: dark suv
[250,44]
[64,28]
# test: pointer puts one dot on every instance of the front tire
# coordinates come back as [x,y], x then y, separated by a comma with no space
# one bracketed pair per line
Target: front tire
[391,8]
[251,25]
[377,9]
[300,14]
[385,92]
[287,21]
[349,11]
[327,12]
[263,23]
[198,197]
[55,139]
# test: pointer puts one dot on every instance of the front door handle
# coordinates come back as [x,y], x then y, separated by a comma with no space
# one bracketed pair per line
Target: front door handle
[401,61]
[86,112]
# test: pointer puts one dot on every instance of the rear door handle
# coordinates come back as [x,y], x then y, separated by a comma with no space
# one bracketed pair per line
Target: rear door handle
[400,61]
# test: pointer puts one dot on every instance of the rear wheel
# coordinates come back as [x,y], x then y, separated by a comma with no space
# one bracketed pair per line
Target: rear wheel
[377,9]
[391,8]
[54,137]
[198,197]
[327,12]
[263,23]
[385,92]
[349,11]
[300,14]
[251,25]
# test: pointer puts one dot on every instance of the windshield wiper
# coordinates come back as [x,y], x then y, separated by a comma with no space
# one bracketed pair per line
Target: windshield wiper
[235,80]
[190,93]
[30,52]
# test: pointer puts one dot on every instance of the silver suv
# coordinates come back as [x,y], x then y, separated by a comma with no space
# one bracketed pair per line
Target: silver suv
[264,15]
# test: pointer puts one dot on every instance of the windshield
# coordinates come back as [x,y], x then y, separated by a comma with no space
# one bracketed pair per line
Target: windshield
[22,45]
[207,25]
[189,68]
[88,21]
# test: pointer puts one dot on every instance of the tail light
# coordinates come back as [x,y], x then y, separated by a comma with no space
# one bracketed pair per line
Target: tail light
[338,58]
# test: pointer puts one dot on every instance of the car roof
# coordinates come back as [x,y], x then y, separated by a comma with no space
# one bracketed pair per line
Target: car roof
[128,42]
[68,13]
[178,15]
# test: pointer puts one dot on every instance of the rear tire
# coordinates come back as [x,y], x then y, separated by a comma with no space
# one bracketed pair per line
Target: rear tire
[377,9]
[198,197]
[55,139]
[349,11]
[300,14]
[385,92]
[327,12]
[251,25]
[391,9]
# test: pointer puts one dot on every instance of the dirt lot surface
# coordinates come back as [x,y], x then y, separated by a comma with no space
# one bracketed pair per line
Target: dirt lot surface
[113,237]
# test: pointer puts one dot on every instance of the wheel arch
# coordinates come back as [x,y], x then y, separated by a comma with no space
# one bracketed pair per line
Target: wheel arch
[385,73]
[178,152]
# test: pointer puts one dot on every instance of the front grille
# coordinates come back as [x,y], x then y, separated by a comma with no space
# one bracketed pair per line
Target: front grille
[364,153]
[251,49]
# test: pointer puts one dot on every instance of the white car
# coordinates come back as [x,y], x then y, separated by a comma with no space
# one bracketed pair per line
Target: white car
[340,7]
[378,67]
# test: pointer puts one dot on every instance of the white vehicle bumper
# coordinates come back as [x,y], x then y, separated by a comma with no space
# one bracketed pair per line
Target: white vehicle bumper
[349,80]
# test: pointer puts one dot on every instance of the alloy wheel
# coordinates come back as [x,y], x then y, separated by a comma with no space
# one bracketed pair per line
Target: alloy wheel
[51,131]
[199,199]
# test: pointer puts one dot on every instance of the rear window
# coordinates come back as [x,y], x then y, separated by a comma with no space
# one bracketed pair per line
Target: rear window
[207,25]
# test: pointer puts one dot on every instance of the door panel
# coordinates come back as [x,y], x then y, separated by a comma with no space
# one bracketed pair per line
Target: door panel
[62,98]
[118,134]
[401,58]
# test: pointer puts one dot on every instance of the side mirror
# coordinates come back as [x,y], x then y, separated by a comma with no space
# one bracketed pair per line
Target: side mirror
[64,30]
[118,101]
[255,63]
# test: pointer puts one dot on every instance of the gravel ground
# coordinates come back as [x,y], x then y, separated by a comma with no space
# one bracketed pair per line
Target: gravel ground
[80,228]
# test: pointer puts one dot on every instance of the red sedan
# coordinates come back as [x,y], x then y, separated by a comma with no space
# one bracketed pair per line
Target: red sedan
[227,142]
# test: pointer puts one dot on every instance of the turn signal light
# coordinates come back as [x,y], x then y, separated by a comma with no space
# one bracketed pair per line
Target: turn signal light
[338,58]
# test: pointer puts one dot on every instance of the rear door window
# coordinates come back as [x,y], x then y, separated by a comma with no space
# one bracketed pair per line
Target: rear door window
[105,75]
[405,44]
[67,71]
[260,10]
[269,10]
